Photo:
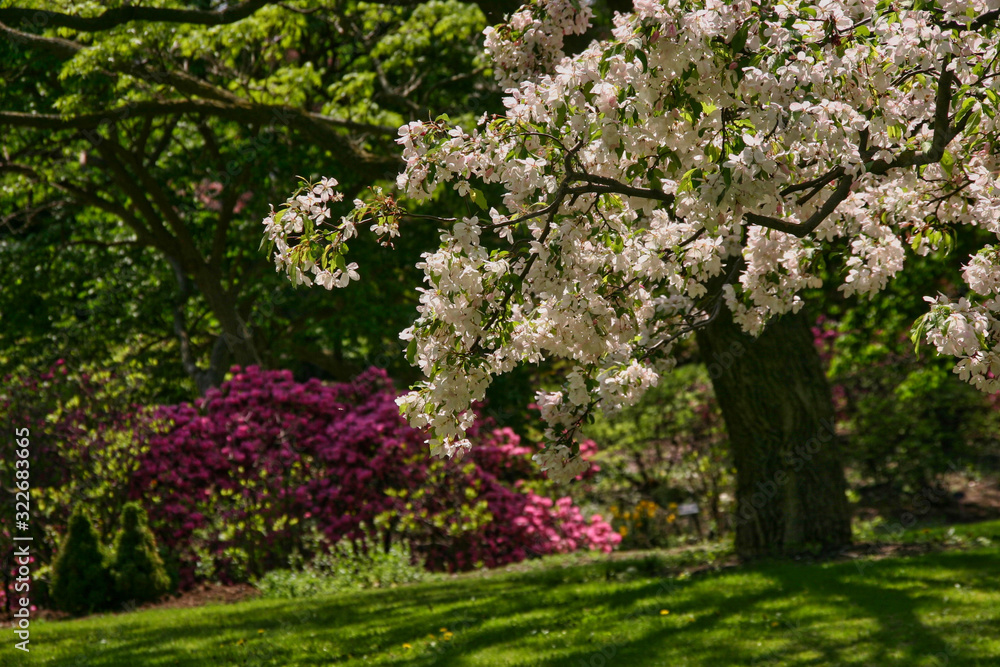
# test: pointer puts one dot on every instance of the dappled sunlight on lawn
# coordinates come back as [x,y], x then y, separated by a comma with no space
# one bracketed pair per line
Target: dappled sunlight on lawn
[911,611]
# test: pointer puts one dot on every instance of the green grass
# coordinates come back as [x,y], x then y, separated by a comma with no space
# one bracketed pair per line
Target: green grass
[940,608]
[985,533]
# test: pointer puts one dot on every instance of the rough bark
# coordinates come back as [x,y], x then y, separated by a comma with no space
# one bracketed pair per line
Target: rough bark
[790,487]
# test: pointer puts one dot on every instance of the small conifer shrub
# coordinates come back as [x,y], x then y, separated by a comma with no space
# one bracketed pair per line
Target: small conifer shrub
[138,571]
[81,581]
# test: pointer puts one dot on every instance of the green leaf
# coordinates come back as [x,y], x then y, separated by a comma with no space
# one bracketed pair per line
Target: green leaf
[917,332]
[973,124]
[561,115]
[696,110]
[480,199]
[967,105]
[947,163]
[641,55]
[687,180]
[740,38]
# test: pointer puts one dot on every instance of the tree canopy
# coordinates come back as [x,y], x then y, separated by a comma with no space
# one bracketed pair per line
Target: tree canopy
[695,163]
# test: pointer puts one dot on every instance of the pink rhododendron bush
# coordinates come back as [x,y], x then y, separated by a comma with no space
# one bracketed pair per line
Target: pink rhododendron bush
[255,470]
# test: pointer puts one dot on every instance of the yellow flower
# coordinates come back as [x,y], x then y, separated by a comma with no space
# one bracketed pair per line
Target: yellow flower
[672,506]
[664,612]
[623,531]
[447,636]
[407,646]
[260,632]
[671,518]
[443,630]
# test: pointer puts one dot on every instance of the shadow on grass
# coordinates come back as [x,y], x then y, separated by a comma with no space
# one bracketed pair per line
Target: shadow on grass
[881,592]
[578,615]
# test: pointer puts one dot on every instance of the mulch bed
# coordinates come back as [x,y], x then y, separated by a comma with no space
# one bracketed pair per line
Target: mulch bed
[203,594]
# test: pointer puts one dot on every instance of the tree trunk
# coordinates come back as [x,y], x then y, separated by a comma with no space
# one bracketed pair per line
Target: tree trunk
[235,332]
[790,487]
[235,342]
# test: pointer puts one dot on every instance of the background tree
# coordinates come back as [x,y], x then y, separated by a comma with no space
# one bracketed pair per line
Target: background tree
[910,420]
[141,141]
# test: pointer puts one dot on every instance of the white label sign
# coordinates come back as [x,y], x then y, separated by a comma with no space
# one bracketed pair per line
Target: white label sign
[687,509]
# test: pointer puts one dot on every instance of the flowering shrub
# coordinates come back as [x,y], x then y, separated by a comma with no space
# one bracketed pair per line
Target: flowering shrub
[704,155]
[646,524]
[236,481]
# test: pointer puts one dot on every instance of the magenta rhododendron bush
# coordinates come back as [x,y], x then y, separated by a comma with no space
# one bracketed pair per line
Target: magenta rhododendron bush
[259,466]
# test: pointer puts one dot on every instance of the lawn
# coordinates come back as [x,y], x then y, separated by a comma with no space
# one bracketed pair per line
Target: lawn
[939,608]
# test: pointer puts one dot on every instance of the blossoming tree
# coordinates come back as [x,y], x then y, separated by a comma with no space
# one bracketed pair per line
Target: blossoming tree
[679,179]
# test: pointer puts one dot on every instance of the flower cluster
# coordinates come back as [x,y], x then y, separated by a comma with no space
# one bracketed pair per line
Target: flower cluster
[646,524]
[704,143]
[303,214]
[532,41]
[558,461]
[961,329]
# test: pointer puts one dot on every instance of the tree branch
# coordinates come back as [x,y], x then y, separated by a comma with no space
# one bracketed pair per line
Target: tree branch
[112,18]
[943,134]
[86,195]
[976,24]
[610,185]
[186,244]
[218,102]
[162,238]
[242,112]
[203,378]
[801,229]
